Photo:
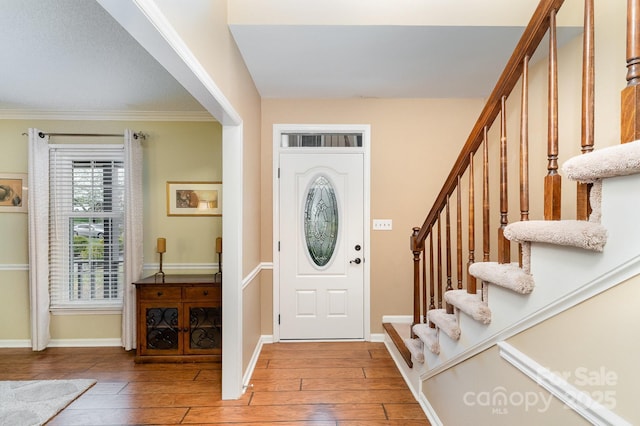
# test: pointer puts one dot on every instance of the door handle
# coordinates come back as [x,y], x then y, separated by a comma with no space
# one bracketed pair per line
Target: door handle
[357,261]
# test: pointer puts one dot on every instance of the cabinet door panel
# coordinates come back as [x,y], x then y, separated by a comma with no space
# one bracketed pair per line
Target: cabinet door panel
[161,329]
[205,328]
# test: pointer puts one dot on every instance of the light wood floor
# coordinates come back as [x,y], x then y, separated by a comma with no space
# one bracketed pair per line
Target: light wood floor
[350,383]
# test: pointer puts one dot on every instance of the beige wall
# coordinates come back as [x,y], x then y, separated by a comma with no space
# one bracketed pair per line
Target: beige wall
[414,142]
[251,326]
[203,27]
[581,344]
[182,151]
[487,390]
[595,346]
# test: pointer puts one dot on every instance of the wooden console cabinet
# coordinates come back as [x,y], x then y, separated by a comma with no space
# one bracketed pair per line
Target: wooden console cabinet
[179,318]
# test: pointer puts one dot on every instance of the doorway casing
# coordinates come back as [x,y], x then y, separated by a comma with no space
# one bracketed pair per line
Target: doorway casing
[365,130]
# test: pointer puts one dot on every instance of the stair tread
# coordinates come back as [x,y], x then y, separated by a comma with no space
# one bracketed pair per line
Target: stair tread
[415,346]
[398,342]
[576,233]
[470,304]
[445,322]
[617,160]
[429,337]
[507,275]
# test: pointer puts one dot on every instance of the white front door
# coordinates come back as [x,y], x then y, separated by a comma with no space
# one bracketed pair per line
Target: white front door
[321,246]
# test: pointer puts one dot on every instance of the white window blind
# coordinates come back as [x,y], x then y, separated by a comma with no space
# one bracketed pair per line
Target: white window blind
[86,232]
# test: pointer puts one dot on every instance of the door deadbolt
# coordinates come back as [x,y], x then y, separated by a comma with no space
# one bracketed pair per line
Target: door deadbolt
[357,247]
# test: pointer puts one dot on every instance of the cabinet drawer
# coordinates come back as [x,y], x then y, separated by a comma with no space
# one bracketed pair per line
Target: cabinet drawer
[159,293]
[202,293]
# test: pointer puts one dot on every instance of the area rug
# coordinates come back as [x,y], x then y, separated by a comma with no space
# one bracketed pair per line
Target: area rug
[34,402]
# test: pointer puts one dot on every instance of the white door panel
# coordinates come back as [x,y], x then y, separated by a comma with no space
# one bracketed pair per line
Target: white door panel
[321,291]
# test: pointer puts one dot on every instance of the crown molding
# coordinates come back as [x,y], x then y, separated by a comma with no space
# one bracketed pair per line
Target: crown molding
[9,114]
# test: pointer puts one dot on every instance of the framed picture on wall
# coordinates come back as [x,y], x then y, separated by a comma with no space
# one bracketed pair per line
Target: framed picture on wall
[194,198]
[13,192]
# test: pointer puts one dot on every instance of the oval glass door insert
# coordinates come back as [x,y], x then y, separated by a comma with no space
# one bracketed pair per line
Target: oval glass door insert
[321,221]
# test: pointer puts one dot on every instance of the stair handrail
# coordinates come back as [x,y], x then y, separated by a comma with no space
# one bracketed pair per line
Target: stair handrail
[529,42]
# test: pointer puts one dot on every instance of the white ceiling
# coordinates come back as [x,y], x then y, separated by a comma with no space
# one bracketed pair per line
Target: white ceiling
[72,55]
[375,61]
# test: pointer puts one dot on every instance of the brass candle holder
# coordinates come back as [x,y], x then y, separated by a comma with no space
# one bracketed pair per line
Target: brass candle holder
[219,251]
[161,249]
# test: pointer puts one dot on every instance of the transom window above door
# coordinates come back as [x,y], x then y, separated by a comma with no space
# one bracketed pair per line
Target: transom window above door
[321,140]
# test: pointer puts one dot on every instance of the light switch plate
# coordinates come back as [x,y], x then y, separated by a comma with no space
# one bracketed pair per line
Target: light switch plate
[382,224]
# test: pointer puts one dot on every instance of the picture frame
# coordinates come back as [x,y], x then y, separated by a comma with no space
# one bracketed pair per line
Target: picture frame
[194,198]
[13,192]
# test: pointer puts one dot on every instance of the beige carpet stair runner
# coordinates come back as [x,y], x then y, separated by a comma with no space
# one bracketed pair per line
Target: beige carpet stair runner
[470,304]
[619,160]
[429,336]
[448,323]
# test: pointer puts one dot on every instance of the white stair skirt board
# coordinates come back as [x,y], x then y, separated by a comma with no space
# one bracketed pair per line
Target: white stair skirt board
[416,348]
[445,322]
[579,401]
[575,233]
[429,337]
[507,275]
[470,304]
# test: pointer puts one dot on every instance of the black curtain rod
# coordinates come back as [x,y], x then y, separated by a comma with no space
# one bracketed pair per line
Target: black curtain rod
[139,135]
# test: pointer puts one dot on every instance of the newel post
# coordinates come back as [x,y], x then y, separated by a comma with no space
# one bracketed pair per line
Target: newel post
[416,247]
[630,98]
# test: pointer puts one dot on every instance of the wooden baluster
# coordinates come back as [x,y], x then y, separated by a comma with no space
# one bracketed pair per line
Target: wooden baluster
[448,247]
[552,181]
[416,247]
[524,149]
[439,264]
[459,235]
[630,122]
[486,244]
[424,284]
[504,245]
[588,84]
[471,280]
[432,290]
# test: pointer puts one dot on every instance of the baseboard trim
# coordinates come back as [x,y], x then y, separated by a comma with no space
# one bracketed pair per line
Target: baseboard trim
[79,343]
[64,343]
[397,319]
[22,343]
[433,418]
[246,380]
[579,401]
[376,337]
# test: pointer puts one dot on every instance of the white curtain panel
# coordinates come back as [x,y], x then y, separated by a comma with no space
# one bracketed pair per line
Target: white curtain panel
[133,236]
[39,239]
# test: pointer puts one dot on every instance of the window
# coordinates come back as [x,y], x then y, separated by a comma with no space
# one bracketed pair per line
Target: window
[86,226]
[321,140]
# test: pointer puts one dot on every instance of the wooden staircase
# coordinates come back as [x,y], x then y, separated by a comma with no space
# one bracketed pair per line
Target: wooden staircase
[541,267]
